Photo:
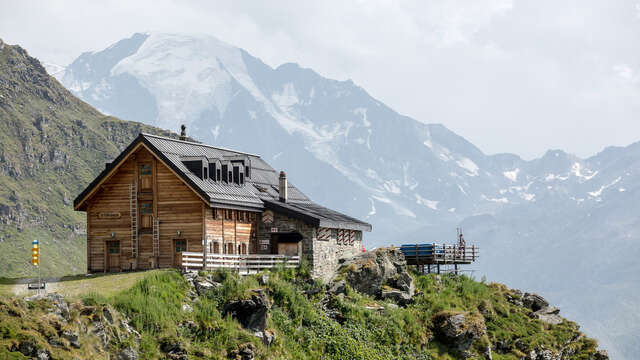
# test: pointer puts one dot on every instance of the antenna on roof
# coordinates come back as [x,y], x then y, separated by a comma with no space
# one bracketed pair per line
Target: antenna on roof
[183,132]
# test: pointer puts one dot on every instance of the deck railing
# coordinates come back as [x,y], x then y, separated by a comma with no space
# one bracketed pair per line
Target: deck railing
[439,254]
[244,264]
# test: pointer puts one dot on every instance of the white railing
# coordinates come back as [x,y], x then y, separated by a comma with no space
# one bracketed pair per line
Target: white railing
[244,264]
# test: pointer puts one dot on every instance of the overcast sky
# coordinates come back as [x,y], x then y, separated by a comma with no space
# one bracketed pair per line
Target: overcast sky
[517,76]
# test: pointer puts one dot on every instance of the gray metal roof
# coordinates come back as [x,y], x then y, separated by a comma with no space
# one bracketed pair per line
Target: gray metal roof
[259,191]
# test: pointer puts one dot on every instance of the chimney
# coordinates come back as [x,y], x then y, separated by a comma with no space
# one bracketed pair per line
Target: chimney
[183,132]
[283,187]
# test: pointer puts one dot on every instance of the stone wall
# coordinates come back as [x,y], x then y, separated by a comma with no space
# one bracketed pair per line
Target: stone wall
[322,255]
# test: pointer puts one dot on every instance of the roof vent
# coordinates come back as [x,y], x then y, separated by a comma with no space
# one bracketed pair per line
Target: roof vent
[283,187]
[183,132]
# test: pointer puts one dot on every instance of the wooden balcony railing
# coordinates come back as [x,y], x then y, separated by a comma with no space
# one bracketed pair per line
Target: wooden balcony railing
[424,254]
[244,264]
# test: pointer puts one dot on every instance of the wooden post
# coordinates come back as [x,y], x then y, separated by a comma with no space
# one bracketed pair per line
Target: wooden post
[455,267]
[438,265]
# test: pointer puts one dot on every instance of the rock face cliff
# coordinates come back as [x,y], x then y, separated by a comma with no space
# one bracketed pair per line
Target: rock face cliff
[51,146]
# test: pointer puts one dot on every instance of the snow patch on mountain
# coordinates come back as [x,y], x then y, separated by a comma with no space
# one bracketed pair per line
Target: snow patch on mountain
[470,167]
[512,175]
[431,204]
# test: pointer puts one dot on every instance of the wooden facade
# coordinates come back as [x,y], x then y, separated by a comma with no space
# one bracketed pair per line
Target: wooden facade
[146,209]
[184,220]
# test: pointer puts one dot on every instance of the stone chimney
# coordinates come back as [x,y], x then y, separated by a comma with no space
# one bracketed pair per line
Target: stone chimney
[183,132]
[283,187]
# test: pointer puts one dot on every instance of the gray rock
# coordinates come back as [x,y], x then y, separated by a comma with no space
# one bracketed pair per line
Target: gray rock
[72,337]
[251,313]
[381,273]
[459,330]
[107,315]
[204,287]
[263,279]
[42,354]
[534,302]
[187,308]
[244,352]
[549,315]
[339,287]
[128,353]
[601,355]
[27,348]
[402,298]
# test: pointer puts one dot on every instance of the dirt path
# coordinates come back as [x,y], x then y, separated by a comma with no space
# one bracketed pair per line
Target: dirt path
[21,289]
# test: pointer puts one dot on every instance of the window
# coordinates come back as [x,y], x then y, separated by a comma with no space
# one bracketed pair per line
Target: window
[145,169]
[218,175]
[334,234]
[206,173]
[146,208]
[241,178]
[216,248]
[212,171]
[217,214]
[225,173]
[114,247]
[236,175]
[230,176]
[246,172]
[241,216]
[228,214]
[181,245]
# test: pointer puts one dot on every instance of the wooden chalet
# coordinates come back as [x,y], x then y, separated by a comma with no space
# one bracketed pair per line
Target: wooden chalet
[165,201]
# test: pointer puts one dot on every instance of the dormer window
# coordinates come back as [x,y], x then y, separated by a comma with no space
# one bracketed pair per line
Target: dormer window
[197,165]
[225,173]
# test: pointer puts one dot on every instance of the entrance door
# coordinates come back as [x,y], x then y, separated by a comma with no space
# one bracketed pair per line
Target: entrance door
[179,246]
[285,244]
[113,255]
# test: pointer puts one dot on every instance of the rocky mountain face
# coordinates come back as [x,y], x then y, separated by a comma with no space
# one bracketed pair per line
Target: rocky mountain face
[51,146]
[558,224]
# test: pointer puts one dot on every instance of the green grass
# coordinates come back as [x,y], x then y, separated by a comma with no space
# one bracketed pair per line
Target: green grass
[153,301]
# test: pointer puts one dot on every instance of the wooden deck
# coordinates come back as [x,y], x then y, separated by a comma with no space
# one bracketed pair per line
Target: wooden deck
[439,254]
[243,264]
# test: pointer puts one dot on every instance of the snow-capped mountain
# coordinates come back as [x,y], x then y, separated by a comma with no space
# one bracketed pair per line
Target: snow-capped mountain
[540,223]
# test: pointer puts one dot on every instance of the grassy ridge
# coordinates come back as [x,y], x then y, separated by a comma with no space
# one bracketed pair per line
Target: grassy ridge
[304,331]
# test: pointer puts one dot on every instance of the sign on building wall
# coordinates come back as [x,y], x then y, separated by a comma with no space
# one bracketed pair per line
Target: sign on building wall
[109,215]
[267,217]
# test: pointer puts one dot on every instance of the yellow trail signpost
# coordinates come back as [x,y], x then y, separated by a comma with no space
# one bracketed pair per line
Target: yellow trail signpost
[35,260]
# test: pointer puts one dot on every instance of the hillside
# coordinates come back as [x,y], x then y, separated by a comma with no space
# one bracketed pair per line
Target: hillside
[286,315]
[543,222]
[51,146]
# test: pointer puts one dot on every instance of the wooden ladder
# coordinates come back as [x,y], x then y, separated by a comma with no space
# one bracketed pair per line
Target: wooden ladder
[133,211]
[156,236]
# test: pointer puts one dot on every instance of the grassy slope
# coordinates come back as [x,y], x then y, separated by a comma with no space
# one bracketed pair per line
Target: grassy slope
[303,331]
[51,146]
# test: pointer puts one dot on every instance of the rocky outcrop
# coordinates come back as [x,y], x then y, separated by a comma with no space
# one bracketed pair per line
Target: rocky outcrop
[459,329]
[381,273]
[252,315]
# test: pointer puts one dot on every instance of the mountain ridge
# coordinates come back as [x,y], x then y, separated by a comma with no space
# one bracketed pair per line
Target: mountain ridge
[413,181]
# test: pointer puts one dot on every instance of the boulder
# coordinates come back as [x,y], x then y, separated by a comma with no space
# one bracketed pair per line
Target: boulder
[263,279]
[244,352]
[187,308]
[250,313]
[128,353]
[204,287]
[549,315]
[459,329]
[534,302]
[173,349]
[600,355]
[381,273]
[71,337]
[338,287]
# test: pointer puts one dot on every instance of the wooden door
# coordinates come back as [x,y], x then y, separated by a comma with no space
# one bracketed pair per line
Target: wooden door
[146,177]
[113,255]
[179,246]
[146,215]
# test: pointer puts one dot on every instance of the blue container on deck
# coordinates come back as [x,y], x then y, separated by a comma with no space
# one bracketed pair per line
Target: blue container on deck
[413,250]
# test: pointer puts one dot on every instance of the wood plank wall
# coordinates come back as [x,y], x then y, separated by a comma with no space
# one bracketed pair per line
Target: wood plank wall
[177,207]
[224,226]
